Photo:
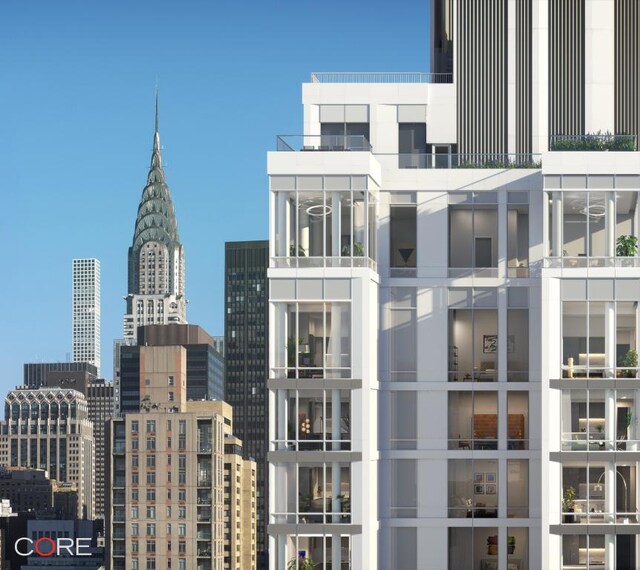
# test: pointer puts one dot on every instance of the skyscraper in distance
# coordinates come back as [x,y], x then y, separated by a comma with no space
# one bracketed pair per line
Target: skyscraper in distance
[246,350]
[156,285]
[85,313]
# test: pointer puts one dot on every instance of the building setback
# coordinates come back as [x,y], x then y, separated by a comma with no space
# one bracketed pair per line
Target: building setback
[454,287]
[168,497]
[246,350]
[85,313]
[205,365]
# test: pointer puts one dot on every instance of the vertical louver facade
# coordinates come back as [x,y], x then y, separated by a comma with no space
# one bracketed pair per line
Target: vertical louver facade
[523,77]
[481,68]
[566,67]
[626,66]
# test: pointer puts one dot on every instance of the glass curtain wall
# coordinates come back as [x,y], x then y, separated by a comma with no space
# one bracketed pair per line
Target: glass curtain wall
[326,221]
[599,339]
[313,340]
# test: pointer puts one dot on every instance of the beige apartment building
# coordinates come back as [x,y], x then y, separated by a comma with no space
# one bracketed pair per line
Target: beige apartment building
[167,470]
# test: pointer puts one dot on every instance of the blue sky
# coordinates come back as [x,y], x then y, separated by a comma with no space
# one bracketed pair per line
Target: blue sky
[76,123]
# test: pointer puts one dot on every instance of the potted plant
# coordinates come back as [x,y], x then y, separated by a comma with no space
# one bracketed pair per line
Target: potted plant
[511,544]
[301,563]
[630,363]
[292,251]
[625,422]
[568,504]
[358,250]
[627,246]
[492,545]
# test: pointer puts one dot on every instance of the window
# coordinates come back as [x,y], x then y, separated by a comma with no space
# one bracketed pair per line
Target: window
[315,338]
[473,420]
[171,381]
[518,234]
[403,237]
[473,335]
[473,234]
[412,145]
[473,488]
[402,334]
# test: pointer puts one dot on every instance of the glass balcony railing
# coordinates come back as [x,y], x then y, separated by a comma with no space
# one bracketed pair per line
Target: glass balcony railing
[380,77]
[335,143]
[582,261]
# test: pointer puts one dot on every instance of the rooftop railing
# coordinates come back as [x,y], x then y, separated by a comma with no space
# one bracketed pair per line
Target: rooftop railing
[334,143]
[380,77]
[593,142]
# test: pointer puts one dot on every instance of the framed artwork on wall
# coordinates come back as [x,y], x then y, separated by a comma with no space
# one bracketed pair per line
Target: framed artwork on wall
[490,343]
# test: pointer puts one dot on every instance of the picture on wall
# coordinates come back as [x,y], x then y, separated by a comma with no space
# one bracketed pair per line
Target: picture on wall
[490,489]
[478,478]
[479,489]
[490,343]
[490,477]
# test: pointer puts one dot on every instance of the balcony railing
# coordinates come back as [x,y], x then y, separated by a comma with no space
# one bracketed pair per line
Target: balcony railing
[465,160]
[583,261]
[337,143]
[593,142]
[380,77]
[334,143]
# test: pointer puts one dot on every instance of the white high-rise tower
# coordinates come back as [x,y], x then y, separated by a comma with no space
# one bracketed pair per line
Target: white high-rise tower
[86,311]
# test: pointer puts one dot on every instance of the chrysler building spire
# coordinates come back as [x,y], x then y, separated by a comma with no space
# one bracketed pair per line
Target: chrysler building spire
[156,256]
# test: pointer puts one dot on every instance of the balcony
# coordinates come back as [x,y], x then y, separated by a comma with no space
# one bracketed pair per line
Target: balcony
[593,142]
[335,143]
[465,160]
[380,77]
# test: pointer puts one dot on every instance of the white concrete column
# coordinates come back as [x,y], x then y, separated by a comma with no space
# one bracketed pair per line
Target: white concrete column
[335,551]
[610,339]
[303,232]
[282,237]
[599,73]
[502,234]
[335,338]
[502,334]
[633,427]
[610,224]
[502,546]
[282,553]
[511,76]
[556,221]
[335,224]
[336,432]
[609,551]
[609,419]
[609,481]
[281,421]
[336,507]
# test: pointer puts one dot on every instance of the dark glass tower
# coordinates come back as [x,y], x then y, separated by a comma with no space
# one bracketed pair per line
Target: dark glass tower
[246,361]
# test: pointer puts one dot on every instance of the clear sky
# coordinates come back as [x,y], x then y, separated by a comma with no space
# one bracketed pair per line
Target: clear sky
[76,125]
